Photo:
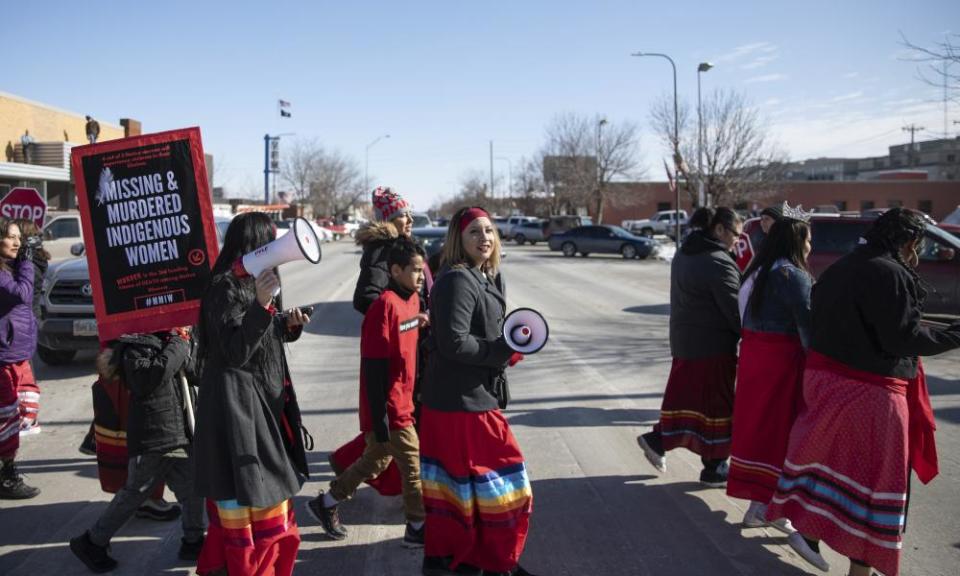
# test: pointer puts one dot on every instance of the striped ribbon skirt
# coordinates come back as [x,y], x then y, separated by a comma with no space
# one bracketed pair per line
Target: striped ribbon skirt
[250,541]
[769,396]
[17,386]
[844,480]
[476,491]
[697,406]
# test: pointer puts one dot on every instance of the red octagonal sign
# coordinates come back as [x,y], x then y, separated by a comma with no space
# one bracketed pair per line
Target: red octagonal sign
[24,204]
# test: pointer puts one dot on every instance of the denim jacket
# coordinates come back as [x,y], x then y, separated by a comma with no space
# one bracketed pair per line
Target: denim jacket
[786,302]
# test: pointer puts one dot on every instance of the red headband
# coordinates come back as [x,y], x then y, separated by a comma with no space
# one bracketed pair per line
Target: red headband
[471,215]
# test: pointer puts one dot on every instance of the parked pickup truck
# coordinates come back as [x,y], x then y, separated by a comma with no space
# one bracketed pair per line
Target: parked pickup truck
[67,323]
[511,224]
[663,222]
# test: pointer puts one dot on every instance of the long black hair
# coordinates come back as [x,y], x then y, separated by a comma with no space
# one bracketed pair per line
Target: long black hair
[246,233]
[723,216]
[786,239]
[893,230]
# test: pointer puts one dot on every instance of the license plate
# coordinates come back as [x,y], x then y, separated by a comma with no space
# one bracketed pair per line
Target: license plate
[84,327]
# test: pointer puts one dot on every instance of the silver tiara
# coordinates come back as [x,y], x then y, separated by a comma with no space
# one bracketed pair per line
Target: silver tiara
[795,213]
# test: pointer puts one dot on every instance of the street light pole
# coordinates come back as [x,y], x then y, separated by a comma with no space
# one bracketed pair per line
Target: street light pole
[509,174]
[703,67]
[600,124]
[677,159]
[366,161]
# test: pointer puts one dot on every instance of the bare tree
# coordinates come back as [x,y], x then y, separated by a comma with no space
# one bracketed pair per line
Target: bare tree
[937,60]
[300,165]
[337,185]
[582,154]
[740,162]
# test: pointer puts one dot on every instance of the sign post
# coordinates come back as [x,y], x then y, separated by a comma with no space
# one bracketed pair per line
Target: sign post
[24,204]
[148,230]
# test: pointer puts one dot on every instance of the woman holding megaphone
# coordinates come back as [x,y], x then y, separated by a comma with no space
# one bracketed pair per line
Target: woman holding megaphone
[475,487]
[249,451]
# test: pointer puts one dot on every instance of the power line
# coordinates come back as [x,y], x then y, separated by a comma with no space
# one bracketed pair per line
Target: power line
[912,129]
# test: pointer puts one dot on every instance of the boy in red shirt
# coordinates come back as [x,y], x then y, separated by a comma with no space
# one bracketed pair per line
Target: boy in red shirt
[388,365]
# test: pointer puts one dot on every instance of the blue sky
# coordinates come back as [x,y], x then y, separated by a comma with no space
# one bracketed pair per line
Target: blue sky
[445,78]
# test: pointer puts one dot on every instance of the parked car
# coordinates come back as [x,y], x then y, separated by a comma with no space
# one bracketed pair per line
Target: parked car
[67,320]
[832,237]
[663,222]
[421,220]
[533,231]
[951,228]
[513,223]
[60,233]
[558,224]
[602,240]
[323,234]
[338,230]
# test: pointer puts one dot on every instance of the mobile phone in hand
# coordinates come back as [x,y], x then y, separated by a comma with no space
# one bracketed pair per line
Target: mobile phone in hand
[306,310]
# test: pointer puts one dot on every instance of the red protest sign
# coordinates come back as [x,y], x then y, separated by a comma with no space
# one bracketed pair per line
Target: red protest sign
[148,230]
[24,204]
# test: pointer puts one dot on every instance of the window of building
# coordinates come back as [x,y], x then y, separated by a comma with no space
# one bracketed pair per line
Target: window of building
[894,203]
[925,206]
[841,205]
[951,158]
[661,206]
[867,204]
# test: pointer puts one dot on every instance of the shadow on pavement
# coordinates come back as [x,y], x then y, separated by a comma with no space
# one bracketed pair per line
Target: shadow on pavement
[82,365]
[335,319]
[597,526]
[568,416]
[657,309]
[84,467]
[942,386]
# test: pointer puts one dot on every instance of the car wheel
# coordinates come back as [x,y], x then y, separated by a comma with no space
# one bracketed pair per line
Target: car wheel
[520,239]
[569,249]
[53,357]
[533,242]
[584,254]
[629,251]
[648,232]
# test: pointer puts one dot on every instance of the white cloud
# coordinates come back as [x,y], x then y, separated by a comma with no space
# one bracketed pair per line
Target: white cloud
[746,50]
[851,75]
[761,61]
[765,78]
[846,97]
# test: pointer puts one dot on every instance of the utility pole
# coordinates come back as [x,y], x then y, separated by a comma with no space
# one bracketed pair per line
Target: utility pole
[492,195]
[912,129]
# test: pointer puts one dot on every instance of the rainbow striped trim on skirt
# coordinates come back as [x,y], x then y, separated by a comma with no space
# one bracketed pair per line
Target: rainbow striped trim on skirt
[497,498]
[243,525]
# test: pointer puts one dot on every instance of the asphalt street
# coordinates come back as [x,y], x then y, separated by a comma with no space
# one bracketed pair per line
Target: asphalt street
[599,508]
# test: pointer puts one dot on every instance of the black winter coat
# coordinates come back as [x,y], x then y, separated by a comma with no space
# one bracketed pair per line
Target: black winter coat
[151,368]
[242,448]
[468,353]
[866,314]
[377,239]
[704,314]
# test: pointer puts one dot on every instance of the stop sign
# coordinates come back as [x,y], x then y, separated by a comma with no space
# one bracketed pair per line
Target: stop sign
[744,251]
[24,204]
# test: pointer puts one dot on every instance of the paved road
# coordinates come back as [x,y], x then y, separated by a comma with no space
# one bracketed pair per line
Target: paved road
[600,509]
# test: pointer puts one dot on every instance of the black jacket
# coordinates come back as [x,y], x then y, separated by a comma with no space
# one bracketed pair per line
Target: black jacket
[467,351]
[151,372]
[377,239]
[866,314]
[704,314]
[242,448]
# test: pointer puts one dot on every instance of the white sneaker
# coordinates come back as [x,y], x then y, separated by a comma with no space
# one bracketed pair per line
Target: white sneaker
[30,431]
[801,547]
[657,460]
[784,525]
[753,518]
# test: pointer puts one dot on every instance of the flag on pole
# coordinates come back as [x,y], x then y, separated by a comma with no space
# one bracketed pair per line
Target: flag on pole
[671,183]
[283,104]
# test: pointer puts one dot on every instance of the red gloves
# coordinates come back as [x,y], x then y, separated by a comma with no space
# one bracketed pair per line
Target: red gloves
[516,357]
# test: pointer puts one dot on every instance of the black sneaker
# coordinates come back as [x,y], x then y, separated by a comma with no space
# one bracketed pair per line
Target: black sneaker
[328,518]
[95,557]
[518,571]
[12,486]
[413,538]
[161,511]
[190,550]
[440,566]
[715,477]
[652,446]
[89,444]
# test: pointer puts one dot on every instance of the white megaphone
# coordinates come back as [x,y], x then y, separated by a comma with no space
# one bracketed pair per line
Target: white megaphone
[300,242]
[525,331]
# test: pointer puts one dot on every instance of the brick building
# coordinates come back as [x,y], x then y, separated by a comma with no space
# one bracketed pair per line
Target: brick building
[936,198]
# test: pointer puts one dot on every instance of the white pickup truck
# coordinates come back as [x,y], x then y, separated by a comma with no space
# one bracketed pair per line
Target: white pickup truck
[663,222]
